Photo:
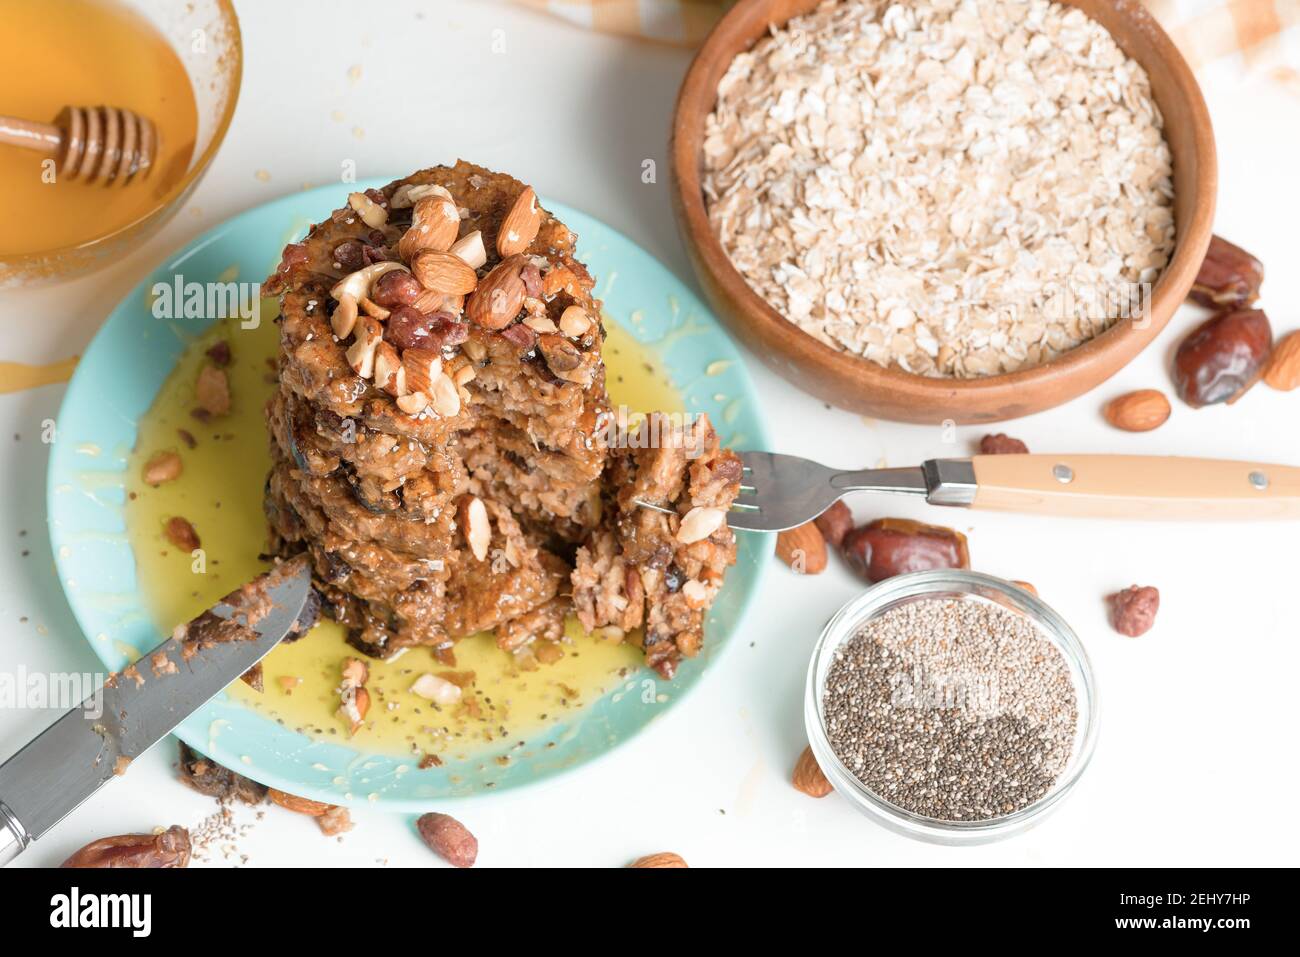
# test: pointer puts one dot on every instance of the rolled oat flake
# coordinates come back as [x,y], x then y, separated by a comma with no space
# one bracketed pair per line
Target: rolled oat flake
[953,709]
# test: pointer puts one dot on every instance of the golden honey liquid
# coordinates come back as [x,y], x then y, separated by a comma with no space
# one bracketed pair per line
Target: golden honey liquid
[57,53]
[220,493]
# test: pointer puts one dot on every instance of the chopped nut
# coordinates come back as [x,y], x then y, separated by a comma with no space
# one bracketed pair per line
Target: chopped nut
[476,525]
[212,390]
[423,367]
[390,373]
[409,194]
[574,322]
[413,404]
[335,821]
[471,249]
[181,533]
[163,467]
[358,284]
[435,689]
[344,317]
[361,354]
[445,397]
[699,523]
[371,213]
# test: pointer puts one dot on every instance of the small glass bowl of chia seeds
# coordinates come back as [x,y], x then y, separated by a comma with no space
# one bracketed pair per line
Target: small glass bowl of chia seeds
[951,706]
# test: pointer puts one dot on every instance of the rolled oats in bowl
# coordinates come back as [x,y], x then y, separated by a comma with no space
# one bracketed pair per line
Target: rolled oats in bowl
[953,188]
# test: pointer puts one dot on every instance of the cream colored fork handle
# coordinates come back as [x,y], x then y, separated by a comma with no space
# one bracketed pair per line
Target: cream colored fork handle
[1136,487]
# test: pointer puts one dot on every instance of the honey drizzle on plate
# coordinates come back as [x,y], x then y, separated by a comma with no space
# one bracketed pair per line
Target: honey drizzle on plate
[220,493]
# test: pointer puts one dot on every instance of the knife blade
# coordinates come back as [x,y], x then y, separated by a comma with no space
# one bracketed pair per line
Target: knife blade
[136,708]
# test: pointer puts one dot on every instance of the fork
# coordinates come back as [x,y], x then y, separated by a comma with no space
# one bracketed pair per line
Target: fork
[782,491]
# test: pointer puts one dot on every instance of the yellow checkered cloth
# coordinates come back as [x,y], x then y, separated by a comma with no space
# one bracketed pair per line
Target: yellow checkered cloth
[1260,34]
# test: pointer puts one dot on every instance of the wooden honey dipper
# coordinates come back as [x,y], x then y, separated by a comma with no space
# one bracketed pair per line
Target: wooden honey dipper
[101,145]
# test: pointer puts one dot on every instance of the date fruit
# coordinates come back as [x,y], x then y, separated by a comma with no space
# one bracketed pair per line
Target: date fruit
[1222,357]
[894,546]
[171,848]
[835,523]
[1229,277]
[1133,610]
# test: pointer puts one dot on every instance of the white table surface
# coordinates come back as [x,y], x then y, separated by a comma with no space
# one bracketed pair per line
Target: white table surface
[1196,762]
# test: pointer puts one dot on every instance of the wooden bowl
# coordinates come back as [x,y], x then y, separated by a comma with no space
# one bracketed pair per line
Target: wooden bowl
[860,385]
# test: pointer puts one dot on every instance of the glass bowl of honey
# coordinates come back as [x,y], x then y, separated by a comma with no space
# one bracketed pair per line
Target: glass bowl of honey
[177,64]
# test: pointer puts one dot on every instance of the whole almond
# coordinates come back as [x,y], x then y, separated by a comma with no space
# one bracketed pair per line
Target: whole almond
[449,839]
[1139,411]
[444,273]
[435,223]
[808,776]
[803,549]
[1283,369]
[1026,586]
[499,297]
[663,859]
[519,228]
[300,805]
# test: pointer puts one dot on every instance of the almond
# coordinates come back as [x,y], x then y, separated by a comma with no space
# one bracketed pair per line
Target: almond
[335,821]
[471,249]
[423,366]
[803,549]
[449,839]
[163,467]
[444,273]
[699,523]
[663,859]
[1283,369]
[499,297]
[445,397]
[361,354]
[476,526]
[300,805]
[1139,411]
[435,689]
[429,302]
[212,390]
[574,322]
[413,404]
[408,195]
[1027,587]
[435,223]
[519,228]
[808,776]
[390,373]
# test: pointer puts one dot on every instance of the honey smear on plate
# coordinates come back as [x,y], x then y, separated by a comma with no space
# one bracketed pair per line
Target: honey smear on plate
[58,53]
[219,493]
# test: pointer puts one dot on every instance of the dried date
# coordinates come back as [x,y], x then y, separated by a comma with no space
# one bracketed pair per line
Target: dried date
[895,546]
[1222,357]
[1229,277]
[171,848]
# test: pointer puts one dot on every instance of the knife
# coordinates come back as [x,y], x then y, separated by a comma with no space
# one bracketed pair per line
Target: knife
[135,709]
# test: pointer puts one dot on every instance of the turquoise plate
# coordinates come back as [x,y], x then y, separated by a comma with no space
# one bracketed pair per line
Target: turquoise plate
[128,361]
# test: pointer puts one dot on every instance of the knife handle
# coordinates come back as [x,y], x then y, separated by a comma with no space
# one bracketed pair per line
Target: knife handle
[1135,487]
[13,836]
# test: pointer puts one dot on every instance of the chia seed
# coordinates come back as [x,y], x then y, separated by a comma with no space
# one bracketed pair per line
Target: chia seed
[953,709]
